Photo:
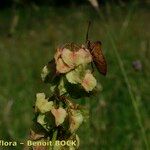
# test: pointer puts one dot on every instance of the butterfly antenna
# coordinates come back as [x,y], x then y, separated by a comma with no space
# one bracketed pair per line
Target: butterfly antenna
[87,33]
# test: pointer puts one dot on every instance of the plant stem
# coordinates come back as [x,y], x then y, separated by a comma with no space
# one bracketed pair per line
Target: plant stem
[54,139]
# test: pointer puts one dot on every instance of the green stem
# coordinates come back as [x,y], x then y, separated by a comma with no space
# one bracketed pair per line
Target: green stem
[54,138]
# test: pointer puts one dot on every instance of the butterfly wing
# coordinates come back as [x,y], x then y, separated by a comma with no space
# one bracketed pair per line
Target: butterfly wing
[98,57]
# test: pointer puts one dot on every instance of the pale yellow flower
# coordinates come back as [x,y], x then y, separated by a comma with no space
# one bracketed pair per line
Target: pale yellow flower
[42,104]
[89,82]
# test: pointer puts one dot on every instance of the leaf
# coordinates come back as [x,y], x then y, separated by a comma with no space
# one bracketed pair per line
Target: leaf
[89,82]
[59,114]
[42,104]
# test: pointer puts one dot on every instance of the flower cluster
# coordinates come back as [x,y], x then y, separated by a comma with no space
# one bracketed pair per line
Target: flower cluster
[47,108]
[69,76]
[73,64]
[67,60]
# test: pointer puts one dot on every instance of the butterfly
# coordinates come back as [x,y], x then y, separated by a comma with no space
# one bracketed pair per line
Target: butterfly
[98,57]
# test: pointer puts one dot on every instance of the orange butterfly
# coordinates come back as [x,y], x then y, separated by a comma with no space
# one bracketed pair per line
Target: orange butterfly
[97,54]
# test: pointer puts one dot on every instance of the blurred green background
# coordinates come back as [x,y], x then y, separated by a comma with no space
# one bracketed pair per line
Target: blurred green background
[30,31]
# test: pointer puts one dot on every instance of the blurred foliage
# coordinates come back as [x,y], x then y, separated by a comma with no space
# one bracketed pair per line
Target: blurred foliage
[8,3]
